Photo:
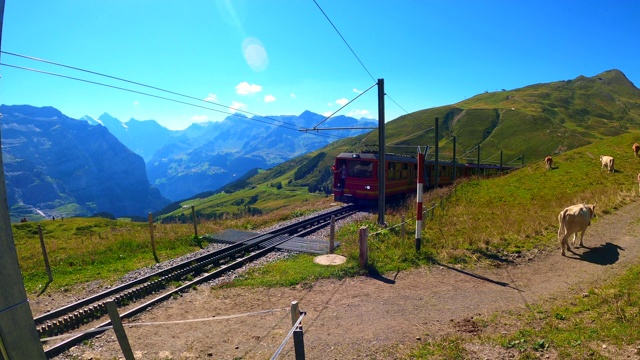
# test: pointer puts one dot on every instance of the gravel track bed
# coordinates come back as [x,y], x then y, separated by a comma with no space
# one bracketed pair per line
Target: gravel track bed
[47,303]
[322,234]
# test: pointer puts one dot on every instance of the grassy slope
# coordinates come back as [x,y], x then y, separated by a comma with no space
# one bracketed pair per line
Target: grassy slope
[523,205]
[513,213]
[533,122]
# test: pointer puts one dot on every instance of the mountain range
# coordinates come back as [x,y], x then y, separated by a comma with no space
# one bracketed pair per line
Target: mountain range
[519,126]
[207,156]
[59,166]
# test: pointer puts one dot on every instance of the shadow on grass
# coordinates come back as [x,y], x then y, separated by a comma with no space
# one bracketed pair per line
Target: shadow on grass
[606,254]
[493,256]
[46,286]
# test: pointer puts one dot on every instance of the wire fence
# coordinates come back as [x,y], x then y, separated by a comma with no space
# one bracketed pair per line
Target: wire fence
[297,327]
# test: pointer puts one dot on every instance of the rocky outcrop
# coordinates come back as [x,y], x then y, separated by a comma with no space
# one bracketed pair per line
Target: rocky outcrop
[58,166]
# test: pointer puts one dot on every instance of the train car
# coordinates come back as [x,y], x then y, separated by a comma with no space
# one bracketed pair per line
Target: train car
[355,176]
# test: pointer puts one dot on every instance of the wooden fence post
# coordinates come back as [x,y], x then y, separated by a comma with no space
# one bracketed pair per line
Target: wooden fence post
[44,254]
[295,312]
[332,234]
[119,330]
[153,242]
[298,339]
[195,223]
[364,250]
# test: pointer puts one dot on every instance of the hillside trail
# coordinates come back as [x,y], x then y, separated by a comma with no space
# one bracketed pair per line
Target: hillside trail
[374,318]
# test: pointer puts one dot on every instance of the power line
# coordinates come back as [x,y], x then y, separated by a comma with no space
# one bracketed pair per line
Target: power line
[354,54]
[282,123]
[137,92]
[342,107]
[135,83]
[343,39]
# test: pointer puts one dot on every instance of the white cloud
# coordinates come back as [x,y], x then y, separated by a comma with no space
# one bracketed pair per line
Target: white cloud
[269,98]
[342,102]
[292,95]
[357,91]
[327,114]
[211,97]
[236,105]
[199,118]
[244,88]
[360,114]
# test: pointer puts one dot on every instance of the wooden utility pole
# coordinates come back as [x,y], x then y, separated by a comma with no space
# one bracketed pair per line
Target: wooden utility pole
[382,166]
[18,336]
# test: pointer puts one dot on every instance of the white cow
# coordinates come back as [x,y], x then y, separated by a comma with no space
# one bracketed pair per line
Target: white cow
[607,163]
[574,220]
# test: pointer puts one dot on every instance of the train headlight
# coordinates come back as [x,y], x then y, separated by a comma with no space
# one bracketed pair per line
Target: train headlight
[367,187]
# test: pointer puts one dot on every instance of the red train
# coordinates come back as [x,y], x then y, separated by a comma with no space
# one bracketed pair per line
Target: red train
[355,178]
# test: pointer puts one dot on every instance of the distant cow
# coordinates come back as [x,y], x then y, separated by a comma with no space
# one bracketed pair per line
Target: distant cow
[549,162]
[636,148]
[607,163]
[574,220]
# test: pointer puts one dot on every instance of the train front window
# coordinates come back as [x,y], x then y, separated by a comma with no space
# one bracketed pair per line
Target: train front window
[361,169]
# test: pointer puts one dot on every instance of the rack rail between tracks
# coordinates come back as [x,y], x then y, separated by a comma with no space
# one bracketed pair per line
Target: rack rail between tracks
[227,259]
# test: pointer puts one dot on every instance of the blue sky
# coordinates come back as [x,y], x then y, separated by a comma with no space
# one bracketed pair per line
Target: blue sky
[282,57]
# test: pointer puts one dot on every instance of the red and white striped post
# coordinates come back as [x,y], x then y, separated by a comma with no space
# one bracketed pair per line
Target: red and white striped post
[419,200]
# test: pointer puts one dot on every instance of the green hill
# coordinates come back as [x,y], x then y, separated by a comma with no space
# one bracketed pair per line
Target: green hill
[533,121]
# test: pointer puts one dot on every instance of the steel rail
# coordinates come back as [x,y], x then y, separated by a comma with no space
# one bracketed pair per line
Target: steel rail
[269,242]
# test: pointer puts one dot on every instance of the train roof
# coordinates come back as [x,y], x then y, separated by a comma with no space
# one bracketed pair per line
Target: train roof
[374,156]
[395,157]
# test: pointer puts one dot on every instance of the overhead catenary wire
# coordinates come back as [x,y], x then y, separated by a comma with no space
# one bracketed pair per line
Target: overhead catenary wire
[342,107]
[135,92]
[294,126]
[355,55]
[282,124]
[343,39]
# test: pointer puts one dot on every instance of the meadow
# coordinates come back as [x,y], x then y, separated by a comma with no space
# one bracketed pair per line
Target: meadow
[479,221]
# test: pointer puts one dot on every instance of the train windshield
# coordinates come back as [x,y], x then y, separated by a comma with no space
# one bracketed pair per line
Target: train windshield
[361,169]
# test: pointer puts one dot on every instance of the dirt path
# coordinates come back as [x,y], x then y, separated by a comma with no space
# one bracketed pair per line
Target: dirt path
[372,318]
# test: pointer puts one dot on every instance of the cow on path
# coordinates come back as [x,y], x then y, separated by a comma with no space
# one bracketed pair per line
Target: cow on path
[607,163]
[573,220]
[548,162]
[636,148]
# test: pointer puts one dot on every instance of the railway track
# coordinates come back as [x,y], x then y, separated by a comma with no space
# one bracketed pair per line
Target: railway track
[195,271]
